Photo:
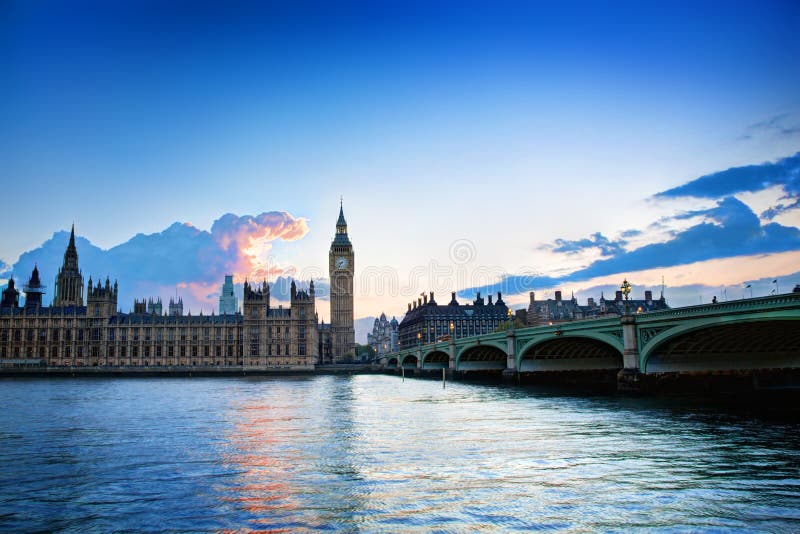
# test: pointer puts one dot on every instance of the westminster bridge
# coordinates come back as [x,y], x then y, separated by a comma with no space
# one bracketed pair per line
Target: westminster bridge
[734,336]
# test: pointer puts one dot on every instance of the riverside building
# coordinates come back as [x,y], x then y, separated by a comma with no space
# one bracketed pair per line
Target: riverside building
[95,333]
[426,321]
[557,310]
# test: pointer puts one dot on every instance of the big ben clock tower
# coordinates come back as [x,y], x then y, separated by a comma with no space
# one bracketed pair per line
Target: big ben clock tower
[341,268]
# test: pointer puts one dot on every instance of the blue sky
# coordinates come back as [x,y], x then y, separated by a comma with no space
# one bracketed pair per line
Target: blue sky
[507,125]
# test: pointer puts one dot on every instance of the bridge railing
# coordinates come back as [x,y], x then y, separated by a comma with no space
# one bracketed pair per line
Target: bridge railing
[741,305]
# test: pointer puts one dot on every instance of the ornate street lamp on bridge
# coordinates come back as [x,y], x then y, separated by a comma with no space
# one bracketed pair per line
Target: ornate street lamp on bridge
[626,290]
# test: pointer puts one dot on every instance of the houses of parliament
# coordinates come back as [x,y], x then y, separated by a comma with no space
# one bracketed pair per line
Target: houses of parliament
[92,332]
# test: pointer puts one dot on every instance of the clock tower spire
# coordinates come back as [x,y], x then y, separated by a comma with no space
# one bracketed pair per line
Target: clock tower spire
[341,268]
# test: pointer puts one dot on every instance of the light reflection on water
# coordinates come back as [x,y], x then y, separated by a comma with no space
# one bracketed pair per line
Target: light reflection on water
[374,453]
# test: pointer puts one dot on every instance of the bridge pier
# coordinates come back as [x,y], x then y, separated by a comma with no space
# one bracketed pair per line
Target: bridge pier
[451,352]
[510,371]
[629,379]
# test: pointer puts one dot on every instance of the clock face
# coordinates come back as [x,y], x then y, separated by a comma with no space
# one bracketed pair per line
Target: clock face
[341,262]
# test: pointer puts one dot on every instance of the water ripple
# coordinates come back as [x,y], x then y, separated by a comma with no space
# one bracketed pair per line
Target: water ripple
[374,453]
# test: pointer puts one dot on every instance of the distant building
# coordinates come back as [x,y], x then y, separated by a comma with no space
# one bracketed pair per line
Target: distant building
[384,336]
[228,305]
[426,321]
[558,310]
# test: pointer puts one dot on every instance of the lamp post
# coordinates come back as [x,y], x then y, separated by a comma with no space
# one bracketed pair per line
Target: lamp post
[626,290]
[452,330]
[510,319]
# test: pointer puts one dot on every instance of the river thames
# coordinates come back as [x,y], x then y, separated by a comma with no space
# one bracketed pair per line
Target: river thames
[375,453]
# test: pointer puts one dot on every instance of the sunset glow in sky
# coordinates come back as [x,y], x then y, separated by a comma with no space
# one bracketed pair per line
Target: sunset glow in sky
[492,146]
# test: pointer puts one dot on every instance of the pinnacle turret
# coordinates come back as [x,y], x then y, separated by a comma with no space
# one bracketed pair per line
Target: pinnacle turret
[69,282]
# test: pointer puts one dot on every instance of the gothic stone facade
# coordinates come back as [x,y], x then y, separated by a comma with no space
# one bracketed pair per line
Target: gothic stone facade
[96,334]
[384,336]
[341,266]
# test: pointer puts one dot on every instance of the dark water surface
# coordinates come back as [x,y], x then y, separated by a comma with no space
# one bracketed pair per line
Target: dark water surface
[373,453]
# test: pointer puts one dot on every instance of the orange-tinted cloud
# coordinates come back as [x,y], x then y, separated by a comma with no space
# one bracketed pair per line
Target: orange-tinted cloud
[247,241]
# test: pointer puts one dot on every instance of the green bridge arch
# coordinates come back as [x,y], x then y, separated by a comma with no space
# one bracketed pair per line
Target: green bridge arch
[408,360]
[766,340]
[570,351]
[436,359]
[482,356]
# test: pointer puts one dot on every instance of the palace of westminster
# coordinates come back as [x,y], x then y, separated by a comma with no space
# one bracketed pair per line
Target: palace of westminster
[92,332]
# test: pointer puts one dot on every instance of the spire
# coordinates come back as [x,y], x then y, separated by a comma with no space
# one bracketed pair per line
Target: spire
[341,237]
[341,221]
[71,254]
